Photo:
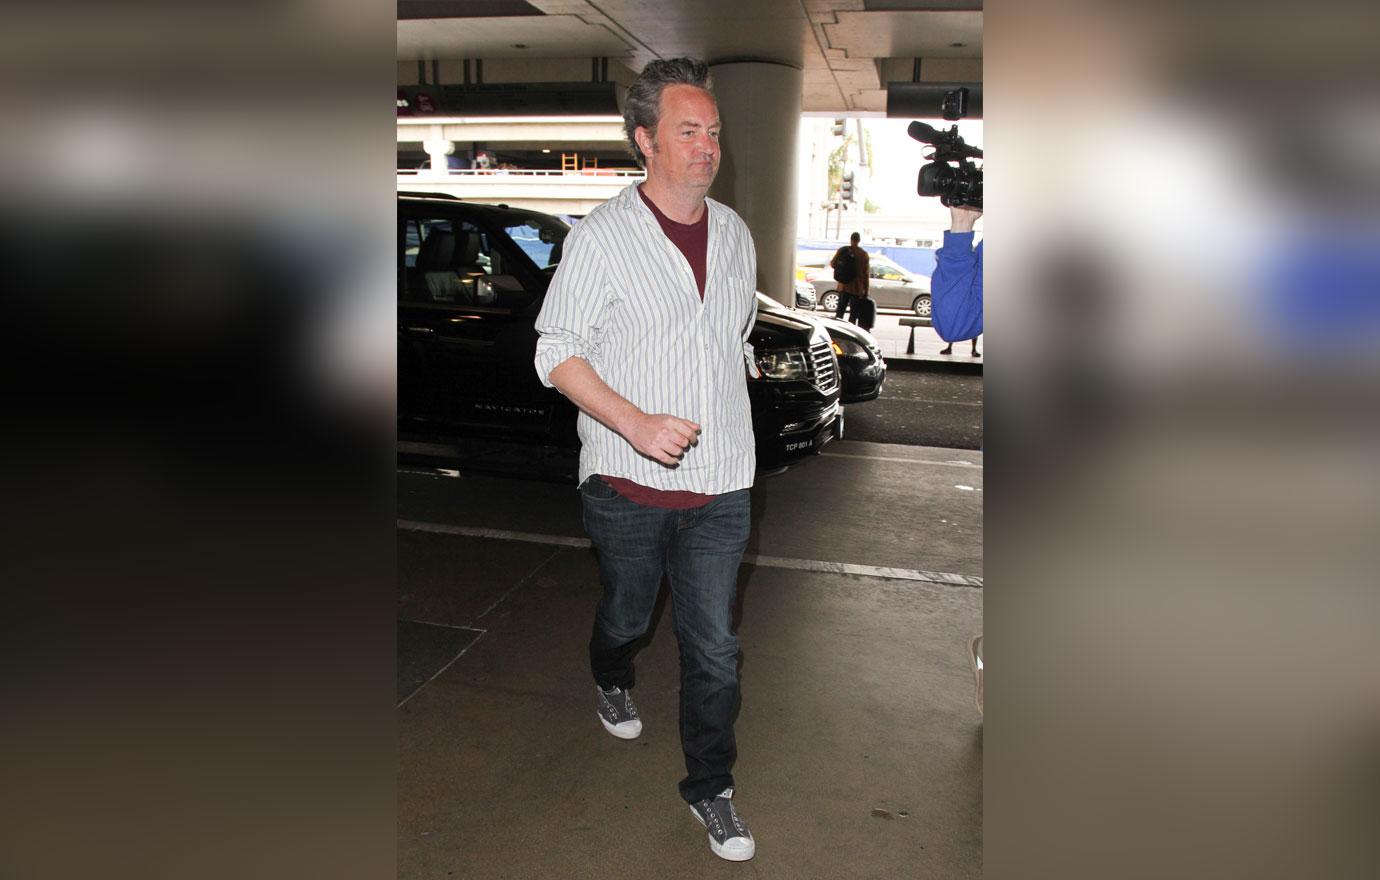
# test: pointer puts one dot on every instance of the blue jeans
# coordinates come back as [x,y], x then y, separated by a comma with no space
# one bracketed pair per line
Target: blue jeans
[699,550]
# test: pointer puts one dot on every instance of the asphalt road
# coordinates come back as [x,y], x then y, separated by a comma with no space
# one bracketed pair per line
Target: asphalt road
[921,409]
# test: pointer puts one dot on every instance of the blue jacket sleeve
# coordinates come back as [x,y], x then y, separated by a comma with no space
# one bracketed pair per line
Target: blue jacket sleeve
[956,288]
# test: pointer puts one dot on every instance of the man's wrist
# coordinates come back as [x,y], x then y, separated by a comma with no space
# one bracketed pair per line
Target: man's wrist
[626,418]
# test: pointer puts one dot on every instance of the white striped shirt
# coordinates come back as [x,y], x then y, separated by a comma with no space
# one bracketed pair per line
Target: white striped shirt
[625,299]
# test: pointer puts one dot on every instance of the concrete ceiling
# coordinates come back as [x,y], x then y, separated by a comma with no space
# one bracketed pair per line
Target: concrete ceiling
[848,49]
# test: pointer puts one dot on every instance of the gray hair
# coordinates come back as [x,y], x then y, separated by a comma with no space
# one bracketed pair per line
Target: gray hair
[642,109]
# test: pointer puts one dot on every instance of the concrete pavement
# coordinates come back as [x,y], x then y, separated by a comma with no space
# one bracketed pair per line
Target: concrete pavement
[860,748]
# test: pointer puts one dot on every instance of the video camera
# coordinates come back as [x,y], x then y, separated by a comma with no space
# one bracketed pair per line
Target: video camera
[950,174]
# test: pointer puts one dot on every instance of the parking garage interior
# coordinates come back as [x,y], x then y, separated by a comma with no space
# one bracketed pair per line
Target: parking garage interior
[859,737]
[205,619]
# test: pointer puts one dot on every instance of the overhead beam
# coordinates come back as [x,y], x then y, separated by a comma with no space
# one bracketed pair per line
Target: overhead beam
[926,99]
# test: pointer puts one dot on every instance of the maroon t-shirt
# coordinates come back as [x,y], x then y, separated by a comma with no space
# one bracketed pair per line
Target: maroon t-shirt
[693,241]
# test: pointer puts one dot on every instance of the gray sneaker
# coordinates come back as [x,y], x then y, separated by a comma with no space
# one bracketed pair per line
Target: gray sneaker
[617,712]
[728,834]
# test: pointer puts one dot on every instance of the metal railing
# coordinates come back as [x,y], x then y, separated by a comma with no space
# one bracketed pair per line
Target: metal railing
[486,173]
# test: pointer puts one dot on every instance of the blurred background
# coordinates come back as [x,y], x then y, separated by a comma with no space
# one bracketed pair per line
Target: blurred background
[1181,433]
[196,230]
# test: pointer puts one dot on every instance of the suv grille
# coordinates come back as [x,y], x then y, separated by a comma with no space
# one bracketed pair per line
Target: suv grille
[826,368]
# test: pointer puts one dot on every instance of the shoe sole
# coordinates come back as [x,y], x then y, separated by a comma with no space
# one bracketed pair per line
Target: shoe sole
[722,851]
[977,671]
[613,729]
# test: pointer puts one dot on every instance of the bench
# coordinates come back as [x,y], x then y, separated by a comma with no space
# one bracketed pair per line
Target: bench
[912,323]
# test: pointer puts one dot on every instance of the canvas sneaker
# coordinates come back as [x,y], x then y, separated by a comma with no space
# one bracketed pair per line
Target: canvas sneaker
[617,712]
[728,834]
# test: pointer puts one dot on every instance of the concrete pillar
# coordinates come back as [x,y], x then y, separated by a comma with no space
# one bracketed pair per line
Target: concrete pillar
[438,147]
[759,105]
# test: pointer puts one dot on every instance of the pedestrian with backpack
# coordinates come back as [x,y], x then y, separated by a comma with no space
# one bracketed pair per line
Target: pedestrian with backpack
[851,272]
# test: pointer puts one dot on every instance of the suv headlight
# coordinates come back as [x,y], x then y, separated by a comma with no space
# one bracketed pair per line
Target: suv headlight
[781,365]
[848,348]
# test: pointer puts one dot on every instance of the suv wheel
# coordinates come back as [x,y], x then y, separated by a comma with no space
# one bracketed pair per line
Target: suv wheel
[921,306]
[830,301]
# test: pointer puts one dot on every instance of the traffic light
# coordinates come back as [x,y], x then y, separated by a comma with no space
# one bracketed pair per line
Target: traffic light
[846,187]
[838,128]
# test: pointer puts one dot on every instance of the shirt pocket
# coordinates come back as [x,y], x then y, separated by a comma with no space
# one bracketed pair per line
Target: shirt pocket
[740,292]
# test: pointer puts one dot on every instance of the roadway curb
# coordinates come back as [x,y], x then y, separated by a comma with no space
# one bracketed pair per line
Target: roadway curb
[925,365]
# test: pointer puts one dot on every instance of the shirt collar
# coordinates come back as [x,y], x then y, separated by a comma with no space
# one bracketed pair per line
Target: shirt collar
[629,200]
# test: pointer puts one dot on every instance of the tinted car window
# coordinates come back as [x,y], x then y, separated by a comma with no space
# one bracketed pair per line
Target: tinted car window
[454,261]
[539,238]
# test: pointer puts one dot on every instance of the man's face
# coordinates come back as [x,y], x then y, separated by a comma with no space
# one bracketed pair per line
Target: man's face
[684,150]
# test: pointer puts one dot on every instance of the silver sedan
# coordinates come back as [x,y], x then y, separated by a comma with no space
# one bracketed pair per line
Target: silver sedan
[890,286]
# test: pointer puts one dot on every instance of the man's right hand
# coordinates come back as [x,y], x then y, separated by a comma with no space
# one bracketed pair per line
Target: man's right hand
[661,437]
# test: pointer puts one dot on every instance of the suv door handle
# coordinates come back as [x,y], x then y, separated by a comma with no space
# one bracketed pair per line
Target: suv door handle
[420,330]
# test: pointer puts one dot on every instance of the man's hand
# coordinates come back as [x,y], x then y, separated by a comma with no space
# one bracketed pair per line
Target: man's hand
[961,219]
[661,437]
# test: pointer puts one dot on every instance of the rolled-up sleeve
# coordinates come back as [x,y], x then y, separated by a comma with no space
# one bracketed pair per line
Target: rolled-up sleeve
[571,319]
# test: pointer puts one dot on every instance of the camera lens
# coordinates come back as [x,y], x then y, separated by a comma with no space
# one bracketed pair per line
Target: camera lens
[936,179]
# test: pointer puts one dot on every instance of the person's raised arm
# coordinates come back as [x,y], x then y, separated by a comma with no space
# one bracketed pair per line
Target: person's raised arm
[964,218]
[956,286]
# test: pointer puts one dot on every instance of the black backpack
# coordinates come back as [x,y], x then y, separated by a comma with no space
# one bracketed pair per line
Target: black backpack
[846,265]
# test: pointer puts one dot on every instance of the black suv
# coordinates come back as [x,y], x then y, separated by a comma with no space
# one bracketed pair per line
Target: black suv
[470,283]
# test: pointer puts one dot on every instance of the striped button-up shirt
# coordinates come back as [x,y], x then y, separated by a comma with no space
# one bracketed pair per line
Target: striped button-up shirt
[625,299]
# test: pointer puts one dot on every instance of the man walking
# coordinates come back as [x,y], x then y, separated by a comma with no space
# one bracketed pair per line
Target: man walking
[645,328]
[852,268]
